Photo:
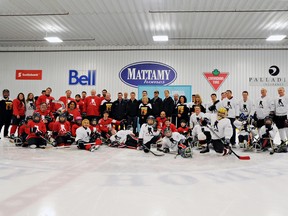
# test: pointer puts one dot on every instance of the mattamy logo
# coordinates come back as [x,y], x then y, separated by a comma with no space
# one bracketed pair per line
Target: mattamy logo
[147,73]
[272,80]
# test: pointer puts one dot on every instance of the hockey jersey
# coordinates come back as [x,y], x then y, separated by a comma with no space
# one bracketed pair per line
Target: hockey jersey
[92,106]
[147,132]
[121,136]
[221,128]
[61,128]
[280,106]
[46,99]
[106,125]
[194,119]
[19,107]
[65,100]
[172,142]
[40,126]
[263,107]
[83,134]
[263,131]
[232,107]
[246,107]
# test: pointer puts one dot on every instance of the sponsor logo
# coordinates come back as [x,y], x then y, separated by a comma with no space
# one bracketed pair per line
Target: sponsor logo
[83,78]
[28,74]
[272,80]
[147,73]
[216,78]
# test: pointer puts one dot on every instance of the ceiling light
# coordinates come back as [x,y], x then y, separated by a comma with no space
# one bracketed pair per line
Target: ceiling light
[276,37]
[160,38]
[53,39]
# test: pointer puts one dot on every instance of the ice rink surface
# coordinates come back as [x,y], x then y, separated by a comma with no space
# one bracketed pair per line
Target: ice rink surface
[111,182]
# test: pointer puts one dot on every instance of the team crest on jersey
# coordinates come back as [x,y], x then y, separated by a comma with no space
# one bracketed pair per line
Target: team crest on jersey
[280,103]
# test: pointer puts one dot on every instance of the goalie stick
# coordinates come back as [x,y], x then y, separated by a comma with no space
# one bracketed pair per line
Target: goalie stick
[238,156]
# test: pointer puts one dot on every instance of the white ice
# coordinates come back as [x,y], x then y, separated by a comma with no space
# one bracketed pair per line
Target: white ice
[112,182]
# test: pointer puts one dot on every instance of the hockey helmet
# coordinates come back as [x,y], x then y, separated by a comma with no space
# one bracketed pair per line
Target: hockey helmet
[36,117]
[70,117]
[93,121]
[222,112]
[168,132]
[22,122]
[62,117]
[29,118]
[129,127]
[150,117]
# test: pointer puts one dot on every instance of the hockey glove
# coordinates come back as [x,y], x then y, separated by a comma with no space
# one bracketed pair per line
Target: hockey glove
[205,122]
[68,134]
[48,118]
[227,142]
[38,133]
[166,150]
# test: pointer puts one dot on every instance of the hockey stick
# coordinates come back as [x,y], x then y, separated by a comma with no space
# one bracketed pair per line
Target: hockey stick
[238,156]
[158,155]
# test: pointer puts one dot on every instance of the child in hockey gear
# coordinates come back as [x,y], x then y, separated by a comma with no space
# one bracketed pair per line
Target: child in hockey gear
[106,125]
[22,135]
[35,130]
[149,134]
[62,132]
[184,129]
[242,125]
[78,123]
[221,132]
[170,125]
[124,138]
[172,141]
[196,117]
[46,116]
[83,137]
[267,134]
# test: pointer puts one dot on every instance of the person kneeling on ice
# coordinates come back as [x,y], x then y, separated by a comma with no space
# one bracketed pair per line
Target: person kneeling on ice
[62,132]
[175,142]
[149,134]
[184,129]
[124,139]
[267,134]
[106,125]
[201,133]
[242,126]
[83,137]
[221,132]
[36,130]
[22,135]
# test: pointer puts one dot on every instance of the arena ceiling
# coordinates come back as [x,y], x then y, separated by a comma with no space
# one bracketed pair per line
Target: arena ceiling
[133,23]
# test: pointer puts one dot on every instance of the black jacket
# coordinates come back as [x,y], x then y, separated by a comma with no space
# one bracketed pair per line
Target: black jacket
[119,109]
[156,106]
[168,106]
[132,108]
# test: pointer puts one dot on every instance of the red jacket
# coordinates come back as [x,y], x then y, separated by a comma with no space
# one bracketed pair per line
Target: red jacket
[160,122]
[74,128]
[46,99]
[19,107]
[40,127]
[22,129]
[65,100]
[106,125]
[80,106]
[74,112]
[61,128]
[92,106]
[184,130]
[45,113]
[172,127]
[94,128]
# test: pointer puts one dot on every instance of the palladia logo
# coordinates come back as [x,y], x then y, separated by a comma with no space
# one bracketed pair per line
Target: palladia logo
[272,80]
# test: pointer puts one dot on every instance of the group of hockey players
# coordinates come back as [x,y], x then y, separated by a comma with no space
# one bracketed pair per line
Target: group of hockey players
[172,124]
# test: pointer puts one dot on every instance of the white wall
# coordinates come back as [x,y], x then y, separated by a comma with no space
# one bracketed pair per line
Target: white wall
[189,64]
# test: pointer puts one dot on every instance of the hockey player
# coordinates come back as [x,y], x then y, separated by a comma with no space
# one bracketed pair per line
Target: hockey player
[149,134]
[92,106]
[46,98]
[18,113]
[246,106]
[124,138]
[232,107]
[221,132]
[62,132]
[106,125]
[22,135]
[78,123]
[36,130]
[280,108]
[214,105]
[72,112]
[184,129]
[263,107]
[174,142]
[170,125]
[201,133]
[46,116]
[242,125]
[83,137]
[196,117]
[66,99]
[267,134]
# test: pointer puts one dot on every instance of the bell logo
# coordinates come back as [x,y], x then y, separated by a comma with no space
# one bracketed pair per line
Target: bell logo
[75,78]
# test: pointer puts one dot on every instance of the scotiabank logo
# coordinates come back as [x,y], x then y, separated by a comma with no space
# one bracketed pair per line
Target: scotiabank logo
[28,74]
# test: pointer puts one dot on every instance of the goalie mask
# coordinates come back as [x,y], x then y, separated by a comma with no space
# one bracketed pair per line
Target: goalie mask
[186,153]
[221,113]
[168,132]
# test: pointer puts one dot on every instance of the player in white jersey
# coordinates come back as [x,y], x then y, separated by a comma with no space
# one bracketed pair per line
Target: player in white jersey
[119,139]
[280,108]
[232,106]
[214,105]
[196,117]
[246,106]
[148,134]
[83,137]
[171,140]
[263,107]
[221,132]
[267,133]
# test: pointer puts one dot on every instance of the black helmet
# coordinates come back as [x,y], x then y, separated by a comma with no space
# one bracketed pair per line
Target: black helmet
[36,117]
[62,115]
